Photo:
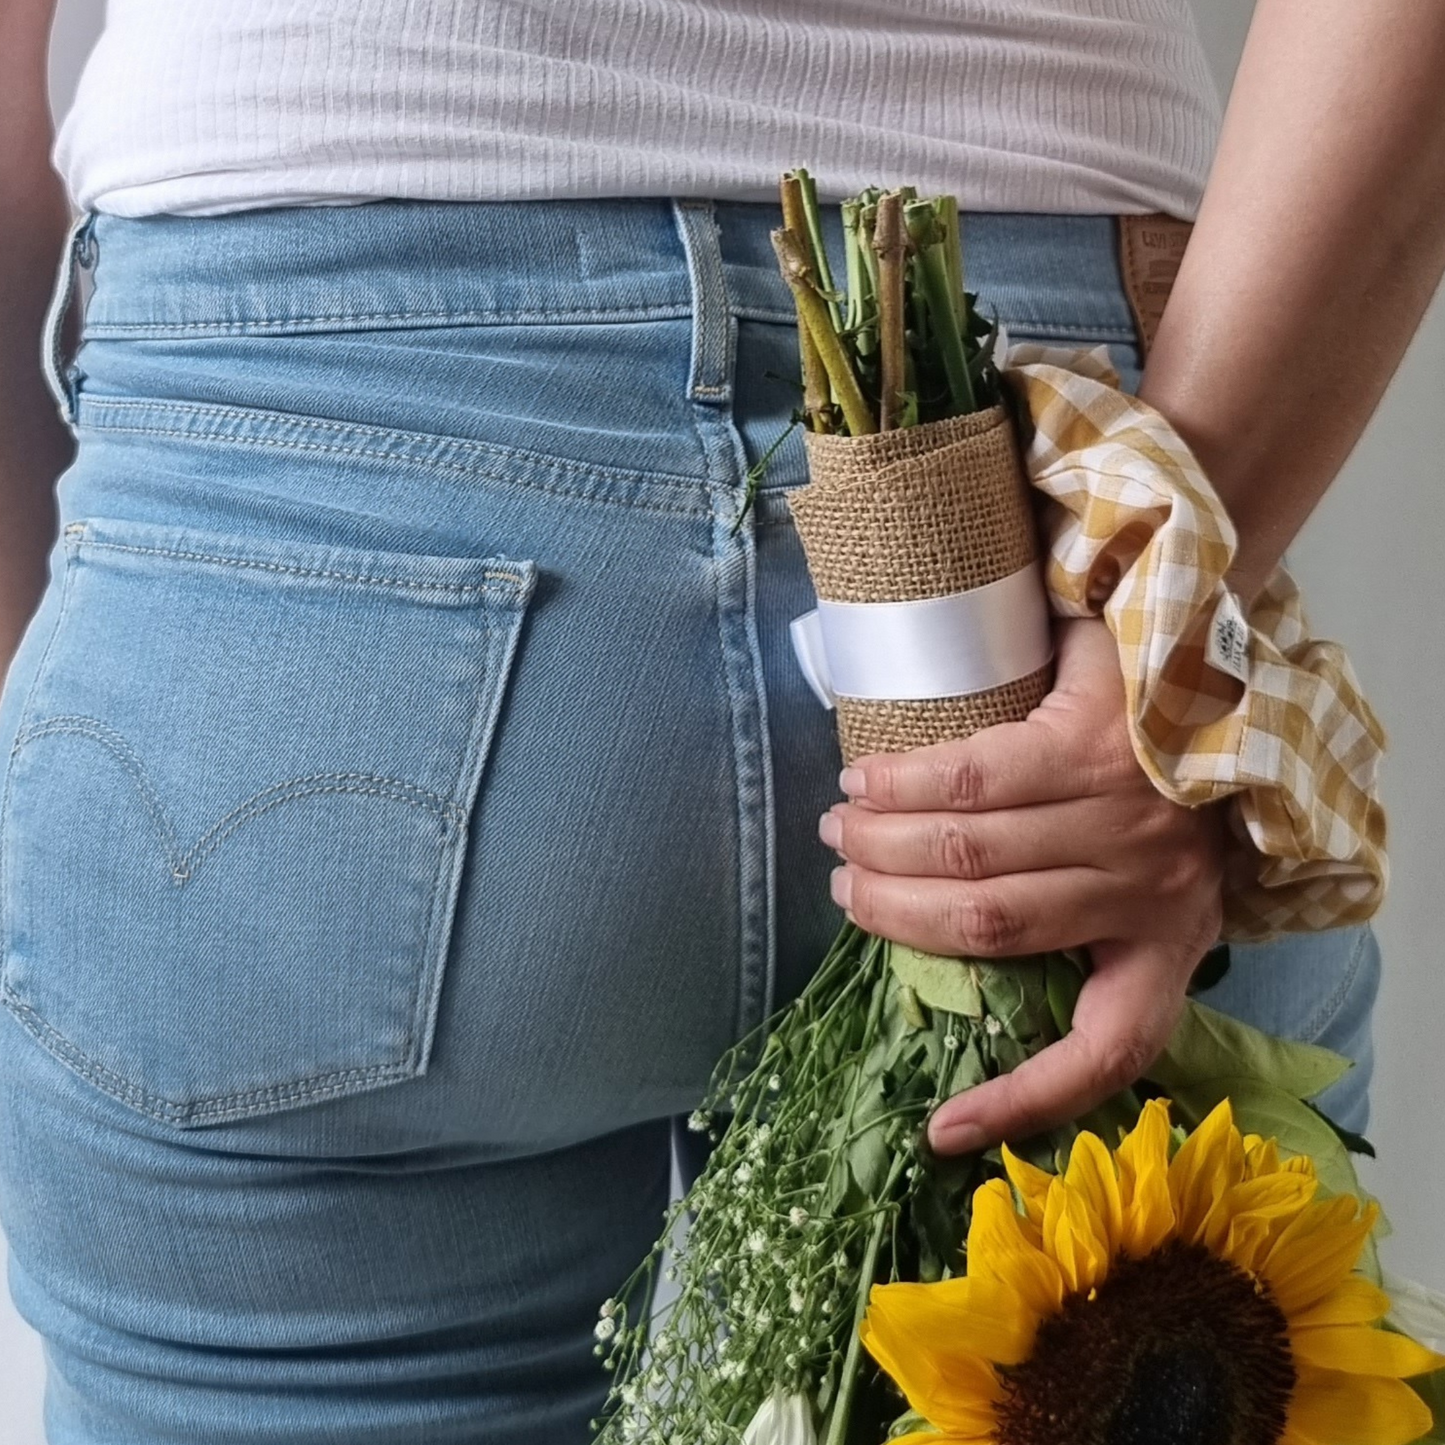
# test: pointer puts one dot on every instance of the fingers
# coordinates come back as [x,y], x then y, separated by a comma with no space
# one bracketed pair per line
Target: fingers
[1125,1015]
[994,918]
[1006,766]
[1087,831]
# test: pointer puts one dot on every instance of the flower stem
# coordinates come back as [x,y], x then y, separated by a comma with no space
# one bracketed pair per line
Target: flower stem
[817,398]
[933,272]
[848,1378]
[890,241]
[813,318]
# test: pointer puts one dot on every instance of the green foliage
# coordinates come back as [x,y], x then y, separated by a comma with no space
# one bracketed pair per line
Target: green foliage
[1208,1044]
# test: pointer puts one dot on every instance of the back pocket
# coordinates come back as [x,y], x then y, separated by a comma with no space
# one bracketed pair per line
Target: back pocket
[236,811]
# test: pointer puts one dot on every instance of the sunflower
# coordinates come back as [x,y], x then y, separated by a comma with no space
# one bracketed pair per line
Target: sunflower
[1137,1299]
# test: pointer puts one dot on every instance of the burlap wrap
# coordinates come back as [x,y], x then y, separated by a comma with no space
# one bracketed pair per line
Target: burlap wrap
[904,515]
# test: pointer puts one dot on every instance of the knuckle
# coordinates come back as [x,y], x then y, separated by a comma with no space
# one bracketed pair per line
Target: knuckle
[961,781]
[982,924]
[1116,756]
[959,850]
[1123,1057]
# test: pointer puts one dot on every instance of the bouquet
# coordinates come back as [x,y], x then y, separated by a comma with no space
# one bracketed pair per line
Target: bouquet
[1103,1283]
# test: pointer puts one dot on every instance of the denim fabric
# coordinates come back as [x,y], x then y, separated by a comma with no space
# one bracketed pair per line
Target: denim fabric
[410,793]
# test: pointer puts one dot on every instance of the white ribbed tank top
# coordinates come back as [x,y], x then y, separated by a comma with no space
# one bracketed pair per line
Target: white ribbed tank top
[202,106]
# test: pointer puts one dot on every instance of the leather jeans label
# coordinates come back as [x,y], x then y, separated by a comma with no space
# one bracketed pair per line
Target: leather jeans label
[1150,250]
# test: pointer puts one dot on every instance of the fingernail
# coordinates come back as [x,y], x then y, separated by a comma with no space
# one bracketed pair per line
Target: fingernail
[853,782]
[842,886]
[830,830]
[964,1138]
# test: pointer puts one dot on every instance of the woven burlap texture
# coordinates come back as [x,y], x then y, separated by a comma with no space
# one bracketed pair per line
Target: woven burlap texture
[905,515]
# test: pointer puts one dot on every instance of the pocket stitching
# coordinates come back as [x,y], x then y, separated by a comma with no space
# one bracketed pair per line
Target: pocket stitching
[182,865]
[493,575]
[217,1108]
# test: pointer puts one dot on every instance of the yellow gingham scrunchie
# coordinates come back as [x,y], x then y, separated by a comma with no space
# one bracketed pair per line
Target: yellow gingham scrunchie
[1220,705]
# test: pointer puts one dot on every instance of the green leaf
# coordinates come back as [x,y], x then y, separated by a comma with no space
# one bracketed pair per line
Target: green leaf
[1064,980]
[1263,1108]
[949,984]
[1208,1044]
[911,1006]
[1016,994]
[1355,1143]
[1431,1389]
[910,1424]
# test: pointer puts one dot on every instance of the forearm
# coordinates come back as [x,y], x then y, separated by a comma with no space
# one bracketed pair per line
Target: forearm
[34,445]
[1319,243]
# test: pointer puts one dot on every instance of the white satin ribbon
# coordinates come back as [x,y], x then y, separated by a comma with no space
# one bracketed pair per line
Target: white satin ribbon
[936,647]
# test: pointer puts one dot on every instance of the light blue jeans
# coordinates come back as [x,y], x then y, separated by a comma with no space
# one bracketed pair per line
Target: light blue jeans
[409,793]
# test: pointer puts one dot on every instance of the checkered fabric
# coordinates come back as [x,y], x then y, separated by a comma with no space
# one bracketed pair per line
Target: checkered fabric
[1220,706]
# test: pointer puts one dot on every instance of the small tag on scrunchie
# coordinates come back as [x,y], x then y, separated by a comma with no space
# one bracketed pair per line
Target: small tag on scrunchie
[1227,649]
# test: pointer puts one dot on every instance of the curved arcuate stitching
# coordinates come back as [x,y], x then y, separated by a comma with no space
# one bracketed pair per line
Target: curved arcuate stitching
[182,865]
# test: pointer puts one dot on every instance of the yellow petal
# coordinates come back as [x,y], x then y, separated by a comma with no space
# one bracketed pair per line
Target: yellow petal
[955,1393]
[1075,1239]
[1355,1302]
[1360,1350]
[1254,1214]
[932,1437]
[998,1249]
[1261,1156]
[1317,1252]
[1331,1408]
[1210,1161]
[1091,1175]
[1032,1184]
[1143,1160]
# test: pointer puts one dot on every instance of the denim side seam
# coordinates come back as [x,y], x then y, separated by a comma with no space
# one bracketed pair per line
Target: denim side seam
[710,388]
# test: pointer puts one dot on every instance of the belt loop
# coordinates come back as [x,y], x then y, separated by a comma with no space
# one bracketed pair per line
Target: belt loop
[60,372]
[710,378]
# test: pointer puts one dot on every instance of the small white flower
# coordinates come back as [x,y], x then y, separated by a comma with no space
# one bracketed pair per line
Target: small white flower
[775,1084]
[950,1041]
[605,1329]
[796,1302]
[782,1420]
[698,1122]
[609,1308]
[757,1242]
[992,1027]
[743,1175]
[797,1216]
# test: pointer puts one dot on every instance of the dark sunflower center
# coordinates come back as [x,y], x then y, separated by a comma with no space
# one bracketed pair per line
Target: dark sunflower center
[1178,1348]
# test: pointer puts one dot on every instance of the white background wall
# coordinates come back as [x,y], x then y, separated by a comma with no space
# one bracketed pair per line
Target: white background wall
[1369,563]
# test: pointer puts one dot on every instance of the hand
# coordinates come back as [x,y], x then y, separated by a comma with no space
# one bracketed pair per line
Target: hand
[1033,836]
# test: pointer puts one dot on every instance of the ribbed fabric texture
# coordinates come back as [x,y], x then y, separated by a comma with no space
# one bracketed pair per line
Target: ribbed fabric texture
[199,106]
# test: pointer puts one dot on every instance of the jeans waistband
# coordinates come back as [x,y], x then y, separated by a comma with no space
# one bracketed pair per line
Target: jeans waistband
[411,264]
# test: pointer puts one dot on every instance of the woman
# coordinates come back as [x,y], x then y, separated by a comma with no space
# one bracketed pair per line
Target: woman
[409,793]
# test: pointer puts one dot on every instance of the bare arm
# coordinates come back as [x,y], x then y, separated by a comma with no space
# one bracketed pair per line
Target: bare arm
[34,446]
[1319,244]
